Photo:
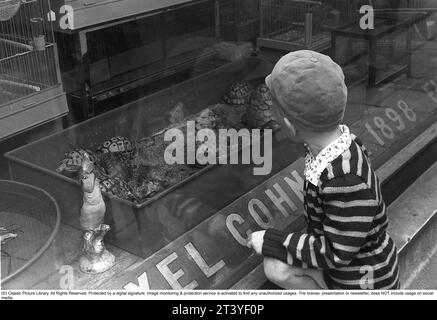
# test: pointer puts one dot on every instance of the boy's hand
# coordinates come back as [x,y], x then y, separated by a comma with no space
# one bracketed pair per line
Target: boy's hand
[256,240]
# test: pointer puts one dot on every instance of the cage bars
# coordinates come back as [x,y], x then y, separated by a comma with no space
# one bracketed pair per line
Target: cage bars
[27,52]
[293,25]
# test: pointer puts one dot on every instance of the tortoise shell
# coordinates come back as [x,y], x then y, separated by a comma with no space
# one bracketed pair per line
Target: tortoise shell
[73,159]
[114,186]
[260,111]
[116,144]
[220,116]
[115,164]
[239,94]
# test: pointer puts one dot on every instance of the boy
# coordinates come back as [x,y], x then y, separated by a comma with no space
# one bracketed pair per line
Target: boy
[345,245]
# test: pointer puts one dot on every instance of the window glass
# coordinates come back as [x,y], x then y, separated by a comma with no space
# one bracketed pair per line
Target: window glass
[112,79]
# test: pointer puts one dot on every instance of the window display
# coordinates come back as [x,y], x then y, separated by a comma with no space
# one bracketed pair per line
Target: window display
[174,151]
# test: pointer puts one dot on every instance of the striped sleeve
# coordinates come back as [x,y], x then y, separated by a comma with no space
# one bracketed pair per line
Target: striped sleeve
[349,210]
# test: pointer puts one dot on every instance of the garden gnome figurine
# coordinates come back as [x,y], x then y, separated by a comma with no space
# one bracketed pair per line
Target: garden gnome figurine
[96,258]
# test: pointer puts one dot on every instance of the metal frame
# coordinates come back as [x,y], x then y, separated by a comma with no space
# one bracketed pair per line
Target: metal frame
[265,39]
[88,108]
[372,39]
[45,100]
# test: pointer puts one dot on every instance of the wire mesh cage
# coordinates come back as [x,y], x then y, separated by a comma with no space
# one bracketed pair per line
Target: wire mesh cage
[299,24]
[8,9]
[27,52]
[291,25]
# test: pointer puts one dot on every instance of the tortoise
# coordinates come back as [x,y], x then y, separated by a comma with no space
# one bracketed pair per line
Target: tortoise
[239,95]
[72,161]
[114,186]
[260,111]
[116,144]
[219,116]
[115,164]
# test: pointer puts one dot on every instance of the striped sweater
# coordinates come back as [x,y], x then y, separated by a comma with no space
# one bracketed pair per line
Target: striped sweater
[346,215]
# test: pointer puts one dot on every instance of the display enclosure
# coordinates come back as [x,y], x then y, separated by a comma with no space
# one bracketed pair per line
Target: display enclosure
[296,25]
[138,228]
[192,232]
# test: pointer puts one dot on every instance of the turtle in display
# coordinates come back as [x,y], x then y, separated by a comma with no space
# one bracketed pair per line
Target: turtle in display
[115,156]
[72,161]
[260,111]
[239,95]
[117,144]
[115,164]
[114,186]
[219,116]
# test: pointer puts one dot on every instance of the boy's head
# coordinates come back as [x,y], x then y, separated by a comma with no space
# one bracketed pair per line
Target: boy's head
[310,90]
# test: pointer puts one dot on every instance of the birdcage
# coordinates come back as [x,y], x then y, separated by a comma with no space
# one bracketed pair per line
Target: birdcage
[293,25]
[29,77]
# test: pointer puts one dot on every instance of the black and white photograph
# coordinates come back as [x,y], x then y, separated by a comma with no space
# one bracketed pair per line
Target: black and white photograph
[191,150]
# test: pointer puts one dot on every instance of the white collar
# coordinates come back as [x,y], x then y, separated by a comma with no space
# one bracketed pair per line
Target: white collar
[314,166]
